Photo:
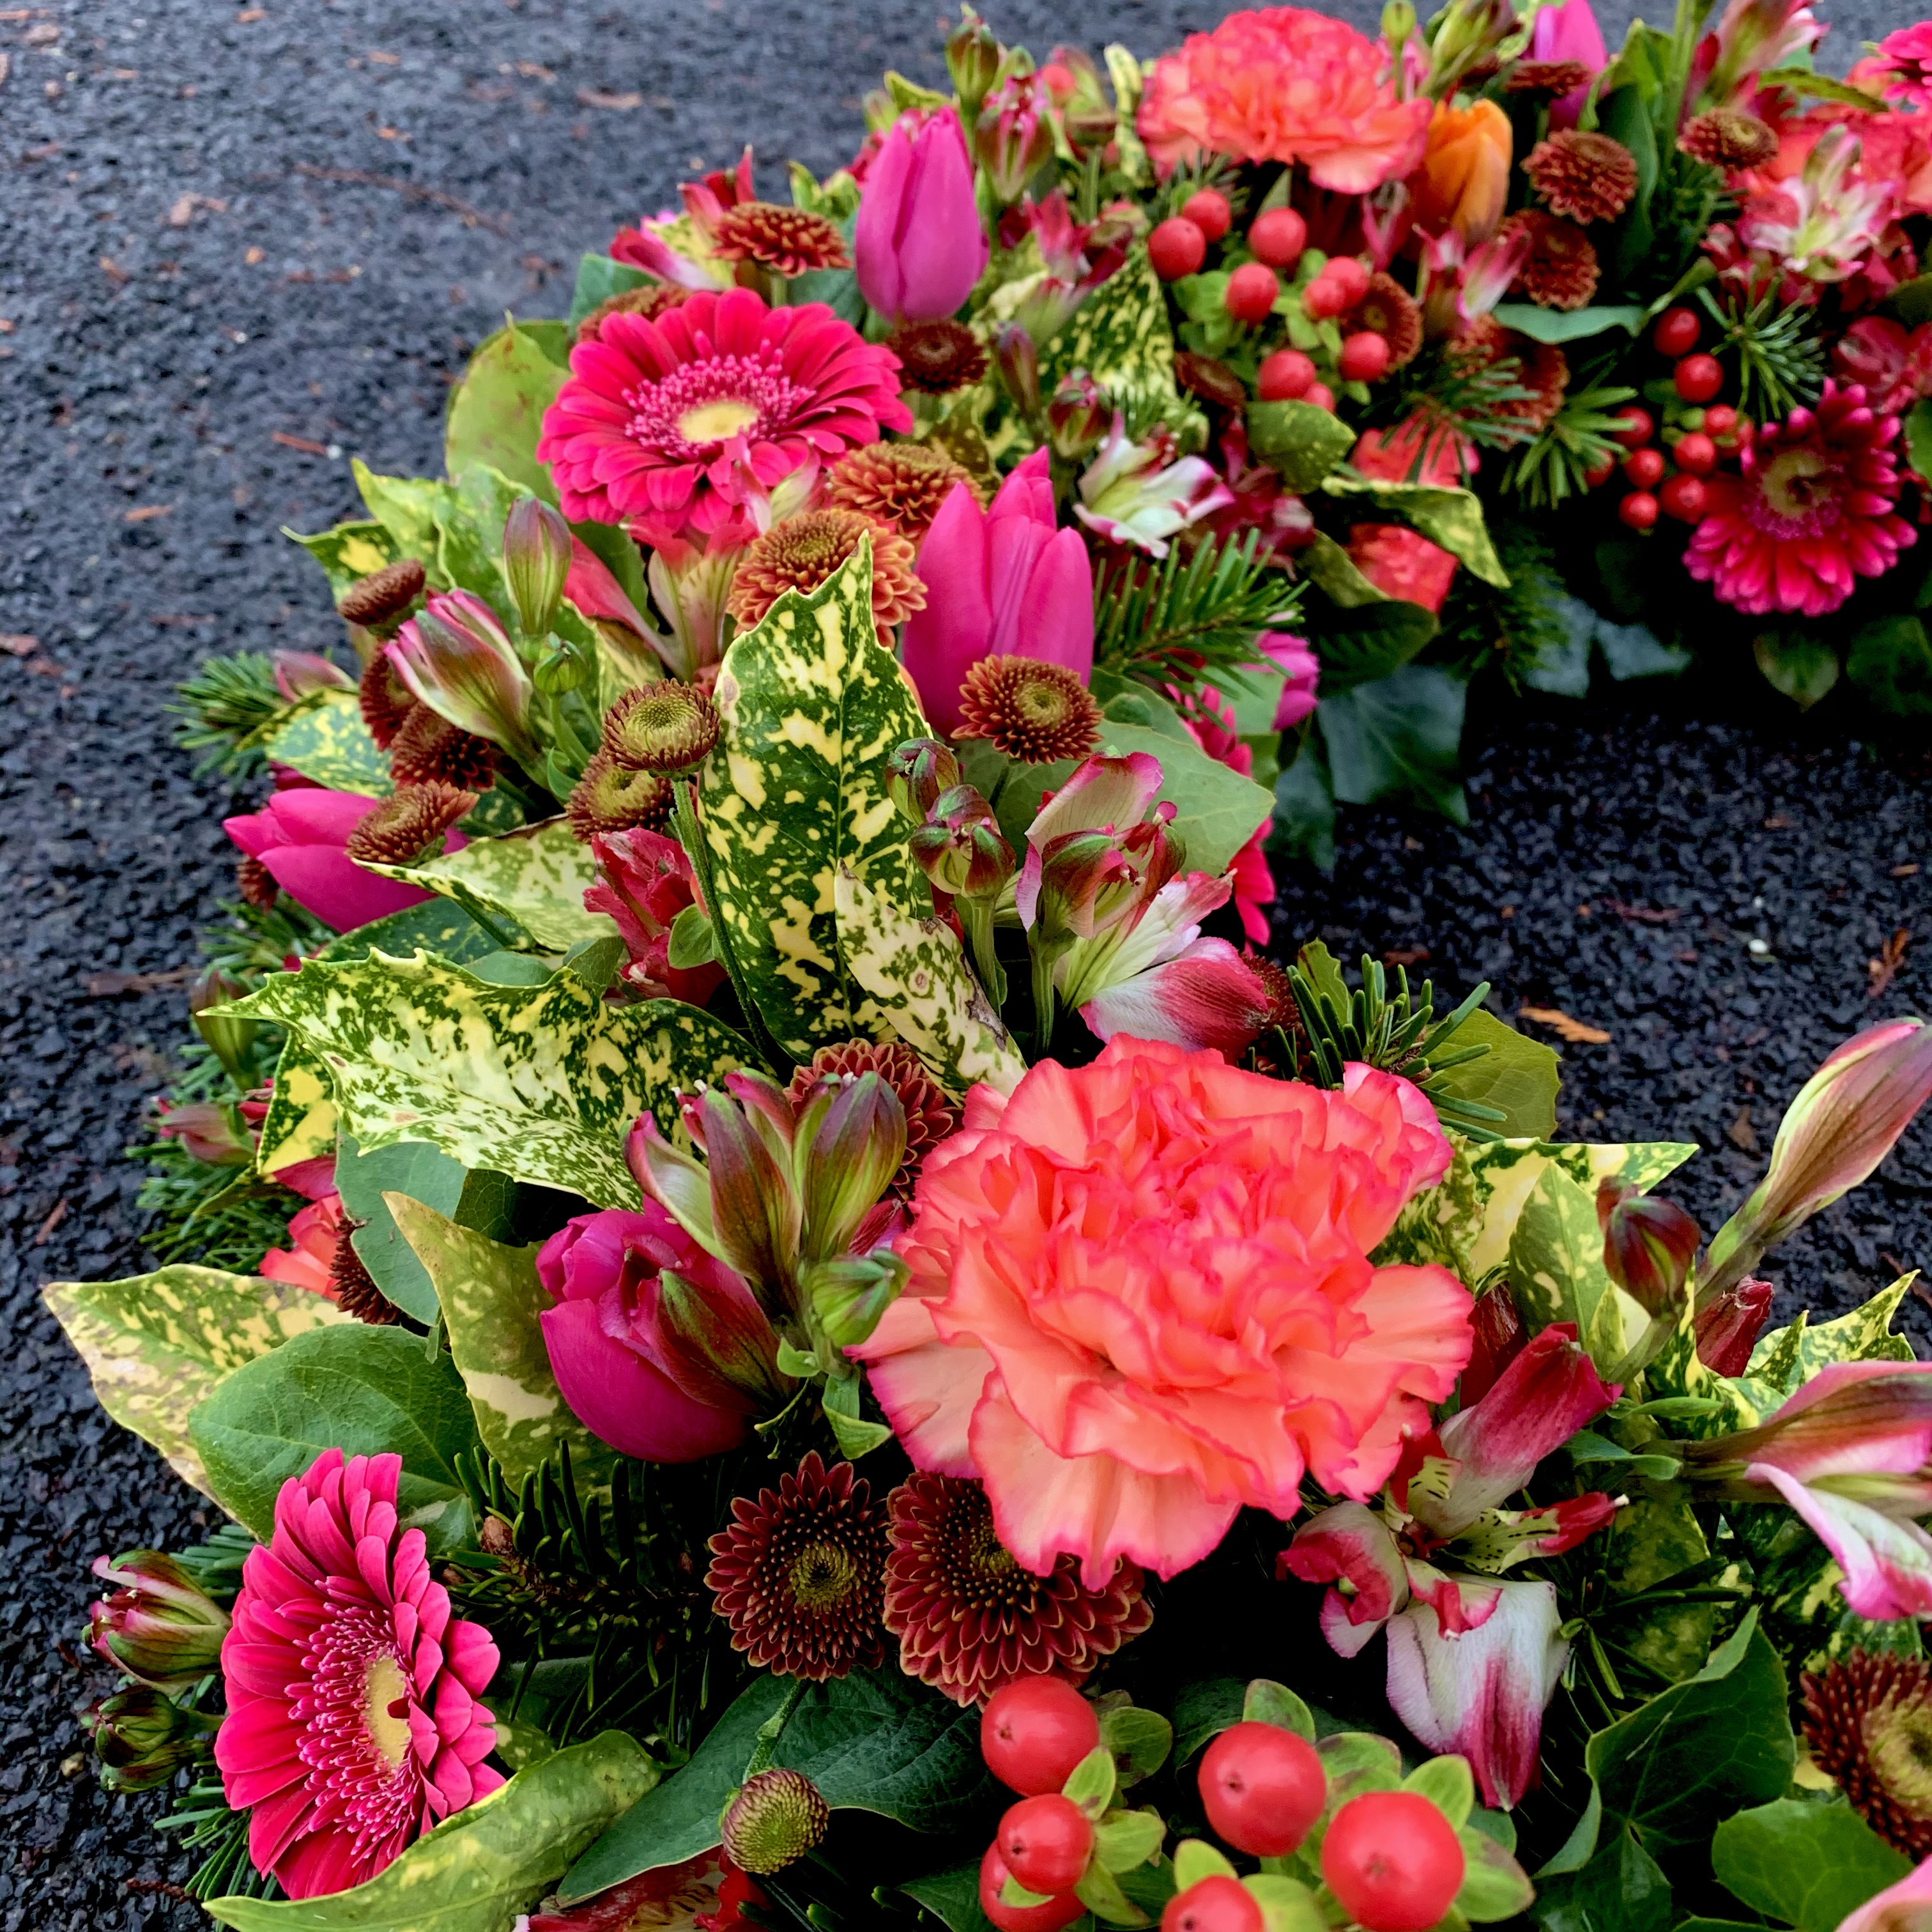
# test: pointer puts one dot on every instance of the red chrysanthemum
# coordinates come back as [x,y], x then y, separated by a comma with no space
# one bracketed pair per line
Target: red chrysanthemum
[1390,310]
[1587,176]
[967,1617]
[787,241]
[799,1574]
[680,426]
[929,1115]
[428,749]
[650,300]
[1868,1721]
[1813,511]
[412,820]
[936,358]
[1032,711]
[383,595]
[1561,269]
[385,700]
[1729,139]
[1554,78]
[353,1723]
[801,552]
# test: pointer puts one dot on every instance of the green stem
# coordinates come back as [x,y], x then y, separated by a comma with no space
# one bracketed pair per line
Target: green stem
[975,915]
[772,1729]
[1043,999]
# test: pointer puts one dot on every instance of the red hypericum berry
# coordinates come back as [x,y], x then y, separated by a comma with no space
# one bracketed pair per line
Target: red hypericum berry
[1263,1788]
[1320,395]
[1324,297]
[1364,357]
[1393,1860]
[1350,277]
[1645,468]
[1696,453]
[1048,1918]
[1285,375]
[1252,292]
[1208,208]
[1720,419]
[1698,378]
[1639,510]
[1216,1904]
[1045,1842]
[1638,428]
[1278,238]
[1597,477]
[1034,1731]
[1177,247]
[1685,498]
[1676,331]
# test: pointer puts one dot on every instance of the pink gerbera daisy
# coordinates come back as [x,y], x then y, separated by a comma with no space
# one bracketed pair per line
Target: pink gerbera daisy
[681,427]
[1907,56]
[352,1722]
[1813,511]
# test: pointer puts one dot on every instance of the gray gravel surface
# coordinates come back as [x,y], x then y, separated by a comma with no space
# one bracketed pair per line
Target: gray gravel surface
[237,246]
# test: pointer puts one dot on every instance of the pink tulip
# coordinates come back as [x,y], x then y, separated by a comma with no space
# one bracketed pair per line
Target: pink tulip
[658,1349]
[299,835]
[1905,1906]
[1007,581]
[918,246]
[1569,32]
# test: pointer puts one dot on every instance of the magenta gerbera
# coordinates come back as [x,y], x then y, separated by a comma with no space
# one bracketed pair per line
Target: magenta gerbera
[1814,510]
[681,427]
[1907,54]
[353,1723]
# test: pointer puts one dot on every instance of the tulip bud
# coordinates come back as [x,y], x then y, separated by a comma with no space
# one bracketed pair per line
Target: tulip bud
[1019,358]
[1648,1246]
[232,1037]
[973,60]
[1078,417]
[1499,1338]
[159,1626]
[961,848]
[299,673]
[536,562]
[916,773]
[1012,138]
[849,1294]
[456,657]
[142,1740]
[1727,1328]
[856,1149]
[1845,1120]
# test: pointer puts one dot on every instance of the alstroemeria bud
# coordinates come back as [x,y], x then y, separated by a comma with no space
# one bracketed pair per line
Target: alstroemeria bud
[536,562]
[1648,1246]
[707,1338]
[1845,1120]
[142,1740]
[232,1037]
[849,1294]
[916,773]
[159,1626]
[209,1132]
[1728,1328]
[973,60]
[1019,358]
[298,674]
[456,657]
[1496,1324]
[961,848]
[1398,26]
[1013,137]
[1078,416]
[754,1208]
[855,1150]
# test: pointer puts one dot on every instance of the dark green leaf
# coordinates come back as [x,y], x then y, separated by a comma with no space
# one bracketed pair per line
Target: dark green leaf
[366,1391]
[1890,662]
[1805,1863]
[1576,325]
[1400,737]
[437,926]
[1912,302]
[1359,645]
[423,1173]
[1918,436]
[1804,668]
[1620,1890]
[599,278]
[952,1897]
[1304,807]
[1632,650]
[1203,1709]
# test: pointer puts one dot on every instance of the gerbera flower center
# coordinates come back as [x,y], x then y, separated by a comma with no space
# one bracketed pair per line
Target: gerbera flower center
[1802,490]
[699,407]
[386,1709]
[822,1576]
[714,421]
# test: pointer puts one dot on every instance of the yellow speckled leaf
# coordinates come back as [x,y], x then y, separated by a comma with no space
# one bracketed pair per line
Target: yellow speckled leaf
[1121,335]
[917,973]
[349,552]
[534,877]
[542,1083]
[300,1124]
[155,1344]
[323,737]
[813,706]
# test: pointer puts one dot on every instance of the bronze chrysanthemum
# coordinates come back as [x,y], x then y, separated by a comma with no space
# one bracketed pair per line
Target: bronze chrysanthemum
[1034,712]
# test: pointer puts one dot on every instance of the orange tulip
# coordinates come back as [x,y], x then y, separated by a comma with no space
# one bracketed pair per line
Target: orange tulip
[1464,178]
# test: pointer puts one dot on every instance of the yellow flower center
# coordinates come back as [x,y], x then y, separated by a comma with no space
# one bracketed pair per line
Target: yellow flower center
[723,416]
[823,1576]
[385,1699]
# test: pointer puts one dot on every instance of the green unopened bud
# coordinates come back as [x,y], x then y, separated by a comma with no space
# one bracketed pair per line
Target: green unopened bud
[917,773]
[961,848]
[560,668]
[849,1294]
[536,562]
[1398,26]
[142,1739]
[1019,359]
[856,1149]
[232,1037]
[1078,415]
[775,1819]
[157,1624]
[973,60]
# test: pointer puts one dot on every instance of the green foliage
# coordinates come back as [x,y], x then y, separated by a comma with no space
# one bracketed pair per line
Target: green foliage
[1450,517]
[221,1836]
[219,710]
[1173,621]
[497,411]
[1781,354]
[1552,466]
[1399,737]
[1458,397]
[1301,441]
[599,278]
[1802,1863]
[1804,668]
[411,1167]
[1891,663]
[323,737]
[218,1215]
[1522,628]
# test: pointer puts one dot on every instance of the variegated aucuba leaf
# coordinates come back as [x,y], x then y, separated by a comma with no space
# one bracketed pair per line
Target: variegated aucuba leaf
[531,881]
[812,706]
[916,970]
[323,737]
[349,553]
[1121,335]
[301,1123]
[156,1344]
[542,1083]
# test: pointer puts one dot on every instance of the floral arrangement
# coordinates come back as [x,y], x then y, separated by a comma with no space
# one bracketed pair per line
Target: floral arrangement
[795,1324]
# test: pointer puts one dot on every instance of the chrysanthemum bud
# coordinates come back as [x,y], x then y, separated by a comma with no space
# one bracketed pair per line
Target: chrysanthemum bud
[1019,359]
[916,773]
[1648,1246]
[973,60]
[665,727]
[231,1037]
[159,1626]
[1078,416]
[961,848]
[142,1740]
[1398,26]
[382,596]
[610,797]
[536,561]
[775,1819]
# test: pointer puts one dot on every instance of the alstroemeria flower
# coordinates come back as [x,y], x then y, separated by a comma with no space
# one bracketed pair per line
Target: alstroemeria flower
[1823,222]
[1131,493]
[456,657]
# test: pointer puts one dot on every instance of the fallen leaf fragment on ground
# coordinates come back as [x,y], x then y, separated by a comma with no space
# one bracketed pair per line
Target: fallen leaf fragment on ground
[1884,969]
[1579,1033]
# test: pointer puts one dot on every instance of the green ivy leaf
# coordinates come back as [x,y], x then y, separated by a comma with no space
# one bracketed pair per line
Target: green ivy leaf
[1518,1076]
[1399,737]
[366,1391]
[1360,644]
[542,1083]
[1304,807]
[952,1898]
[1576,325]
[1621,1889]
[531,880]
[1806,1863]
[497,411]
[365,1180]
[1203,1709]
[1633,650]
[154,1345]
[479,1870]
[323,737]
[1303,443]
[1798,665]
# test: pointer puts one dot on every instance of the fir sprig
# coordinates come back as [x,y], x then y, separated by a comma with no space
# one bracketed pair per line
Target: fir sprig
[1780,357]
[1516,627]
[208,1825]
[220,706]
[1457,396]
[219,1217]
[1172,623]
[1580,438]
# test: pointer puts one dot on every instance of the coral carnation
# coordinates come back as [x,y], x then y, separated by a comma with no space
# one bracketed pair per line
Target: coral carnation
[787,241]
[352,1722]
[1029,709]
[1141,1298]
[799,1574]
[1814,510]
[968,1618]
[899,484]
[937,358]
[681,426]
[1868,1721]
[802,552]
[1285,84]
[1587,177]
[1561,270]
